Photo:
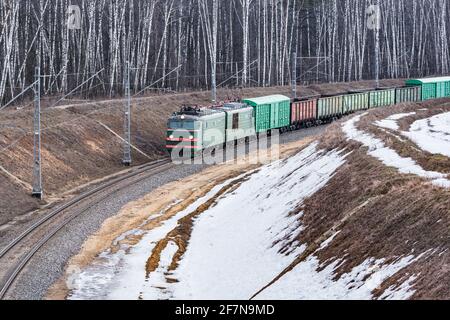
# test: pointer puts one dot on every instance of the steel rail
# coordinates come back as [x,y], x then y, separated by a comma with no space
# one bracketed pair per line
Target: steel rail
[12,276]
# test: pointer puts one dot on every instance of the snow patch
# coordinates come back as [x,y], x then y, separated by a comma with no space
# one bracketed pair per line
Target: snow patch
[391,122]
[327,242]
[304,282]
[432,134]
[402,292]
[389,157]
[158,277]
[94,281]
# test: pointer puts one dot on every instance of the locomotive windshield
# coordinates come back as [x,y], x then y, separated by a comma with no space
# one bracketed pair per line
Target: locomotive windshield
[185,124]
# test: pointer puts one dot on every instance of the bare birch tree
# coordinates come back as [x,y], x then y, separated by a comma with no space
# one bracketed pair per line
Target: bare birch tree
[229,43]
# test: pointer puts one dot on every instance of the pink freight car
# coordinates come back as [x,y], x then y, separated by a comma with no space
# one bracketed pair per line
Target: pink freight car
[303,113]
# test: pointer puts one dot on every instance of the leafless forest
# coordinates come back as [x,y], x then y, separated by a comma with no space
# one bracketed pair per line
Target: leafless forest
[190,44]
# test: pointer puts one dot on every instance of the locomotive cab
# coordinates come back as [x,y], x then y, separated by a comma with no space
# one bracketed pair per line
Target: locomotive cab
[195,129]
[183,133]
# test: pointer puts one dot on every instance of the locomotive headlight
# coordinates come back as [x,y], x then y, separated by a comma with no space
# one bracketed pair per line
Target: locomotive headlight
[191,137]
[171,137]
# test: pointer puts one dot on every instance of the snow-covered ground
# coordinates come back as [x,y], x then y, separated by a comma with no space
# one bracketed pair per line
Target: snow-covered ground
[432,135]
[390,157]
[240,245]
[305,283]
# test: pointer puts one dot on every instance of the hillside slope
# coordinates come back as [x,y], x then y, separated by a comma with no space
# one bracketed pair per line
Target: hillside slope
[361,213]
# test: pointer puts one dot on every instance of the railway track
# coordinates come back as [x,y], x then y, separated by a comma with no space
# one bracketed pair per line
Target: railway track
[57,219]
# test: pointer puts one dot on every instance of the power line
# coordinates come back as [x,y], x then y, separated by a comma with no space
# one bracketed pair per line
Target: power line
[18,96]
[159,80]
[81,85]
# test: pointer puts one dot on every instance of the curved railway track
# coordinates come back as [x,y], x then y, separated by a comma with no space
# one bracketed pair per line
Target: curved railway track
[57,219]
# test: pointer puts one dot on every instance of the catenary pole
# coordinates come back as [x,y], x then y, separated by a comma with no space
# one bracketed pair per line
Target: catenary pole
[127,119]
[37,165]
[294,74]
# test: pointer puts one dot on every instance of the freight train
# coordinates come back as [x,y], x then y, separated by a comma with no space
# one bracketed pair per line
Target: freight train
[195,129]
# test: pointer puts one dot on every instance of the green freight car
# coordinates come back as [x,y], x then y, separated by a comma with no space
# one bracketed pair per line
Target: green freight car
[432,88]
[356,102]
[240,122]
[271,112]
[408,94]
[382,98]
[330,108]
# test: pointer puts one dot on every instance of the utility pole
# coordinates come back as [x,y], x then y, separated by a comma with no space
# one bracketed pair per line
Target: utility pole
[127,119]
[37,167]
[294,74]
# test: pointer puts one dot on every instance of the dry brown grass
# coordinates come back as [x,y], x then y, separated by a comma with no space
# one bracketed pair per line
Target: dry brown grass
[24,202]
